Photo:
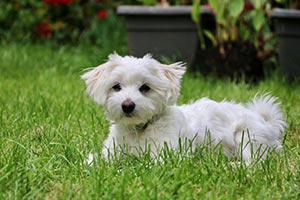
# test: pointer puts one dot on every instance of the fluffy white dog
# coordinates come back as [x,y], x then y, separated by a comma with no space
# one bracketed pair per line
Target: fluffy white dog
[139,97]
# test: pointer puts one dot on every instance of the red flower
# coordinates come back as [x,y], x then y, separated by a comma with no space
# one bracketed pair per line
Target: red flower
[248,6]
[58,2]
[44,29]
[101,14]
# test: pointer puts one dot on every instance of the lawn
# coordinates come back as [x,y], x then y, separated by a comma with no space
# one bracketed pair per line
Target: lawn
[48,125]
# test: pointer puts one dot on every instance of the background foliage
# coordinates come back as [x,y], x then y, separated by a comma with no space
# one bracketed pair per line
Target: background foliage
[67,21]
[94,21]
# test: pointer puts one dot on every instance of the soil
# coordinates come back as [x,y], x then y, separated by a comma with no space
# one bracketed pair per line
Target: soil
[236,60]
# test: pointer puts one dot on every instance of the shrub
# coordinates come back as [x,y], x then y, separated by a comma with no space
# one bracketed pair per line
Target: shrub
[58,20]
[18,17]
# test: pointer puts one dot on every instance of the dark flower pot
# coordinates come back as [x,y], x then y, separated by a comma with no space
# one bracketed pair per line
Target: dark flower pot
[164,31]
[287,24]
[237,61]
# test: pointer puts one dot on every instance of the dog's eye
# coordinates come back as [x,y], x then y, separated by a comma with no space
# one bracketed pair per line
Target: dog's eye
[117,87]
[144,88]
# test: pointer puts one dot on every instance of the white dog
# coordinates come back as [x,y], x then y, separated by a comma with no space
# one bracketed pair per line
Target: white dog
[139,96]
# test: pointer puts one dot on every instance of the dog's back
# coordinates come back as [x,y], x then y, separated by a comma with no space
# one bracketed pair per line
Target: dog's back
[255,126]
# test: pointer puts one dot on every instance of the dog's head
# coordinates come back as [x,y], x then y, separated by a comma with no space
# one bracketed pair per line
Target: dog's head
[134,90]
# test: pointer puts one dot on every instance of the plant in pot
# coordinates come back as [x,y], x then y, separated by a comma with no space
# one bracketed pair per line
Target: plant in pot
[287,25]
[241,41]
[164,29]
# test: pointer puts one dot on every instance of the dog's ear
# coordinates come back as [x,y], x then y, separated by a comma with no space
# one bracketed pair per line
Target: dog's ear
[173,73]
[95,80]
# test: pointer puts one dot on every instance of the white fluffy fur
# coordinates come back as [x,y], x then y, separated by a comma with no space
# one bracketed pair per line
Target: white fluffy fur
[156,119]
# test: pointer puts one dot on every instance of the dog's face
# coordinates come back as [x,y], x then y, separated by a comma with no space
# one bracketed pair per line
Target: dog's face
[134,90]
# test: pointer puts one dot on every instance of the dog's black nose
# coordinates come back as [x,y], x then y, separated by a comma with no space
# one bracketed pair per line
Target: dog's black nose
[128,106]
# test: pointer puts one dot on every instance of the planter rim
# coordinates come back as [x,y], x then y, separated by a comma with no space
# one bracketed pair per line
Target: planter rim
[285,13]
[159,10]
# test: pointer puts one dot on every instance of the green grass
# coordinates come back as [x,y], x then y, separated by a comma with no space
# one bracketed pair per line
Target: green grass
[48,125]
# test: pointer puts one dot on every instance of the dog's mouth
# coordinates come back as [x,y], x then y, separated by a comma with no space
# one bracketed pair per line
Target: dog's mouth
[131,118]
[129,115]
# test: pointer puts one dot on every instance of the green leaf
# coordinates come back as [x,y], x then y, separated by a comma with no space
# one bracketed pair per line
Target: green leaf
[195,11]
[211,37]
[236,8]
[218,7]
[148,2]
[258,19]
[245,33]
[258,4]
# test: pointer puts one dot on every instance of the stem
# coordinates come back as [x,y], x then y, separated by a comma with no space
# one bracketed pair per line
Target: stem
[201,36]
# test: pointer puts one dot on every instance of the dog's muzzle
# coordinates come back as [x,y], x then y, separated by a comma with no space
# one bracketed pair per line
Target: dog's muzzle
[128,106]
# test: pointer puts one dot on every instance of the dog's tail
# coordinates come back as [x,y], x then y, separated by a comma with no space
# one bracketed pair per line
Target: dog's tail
[268,107]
